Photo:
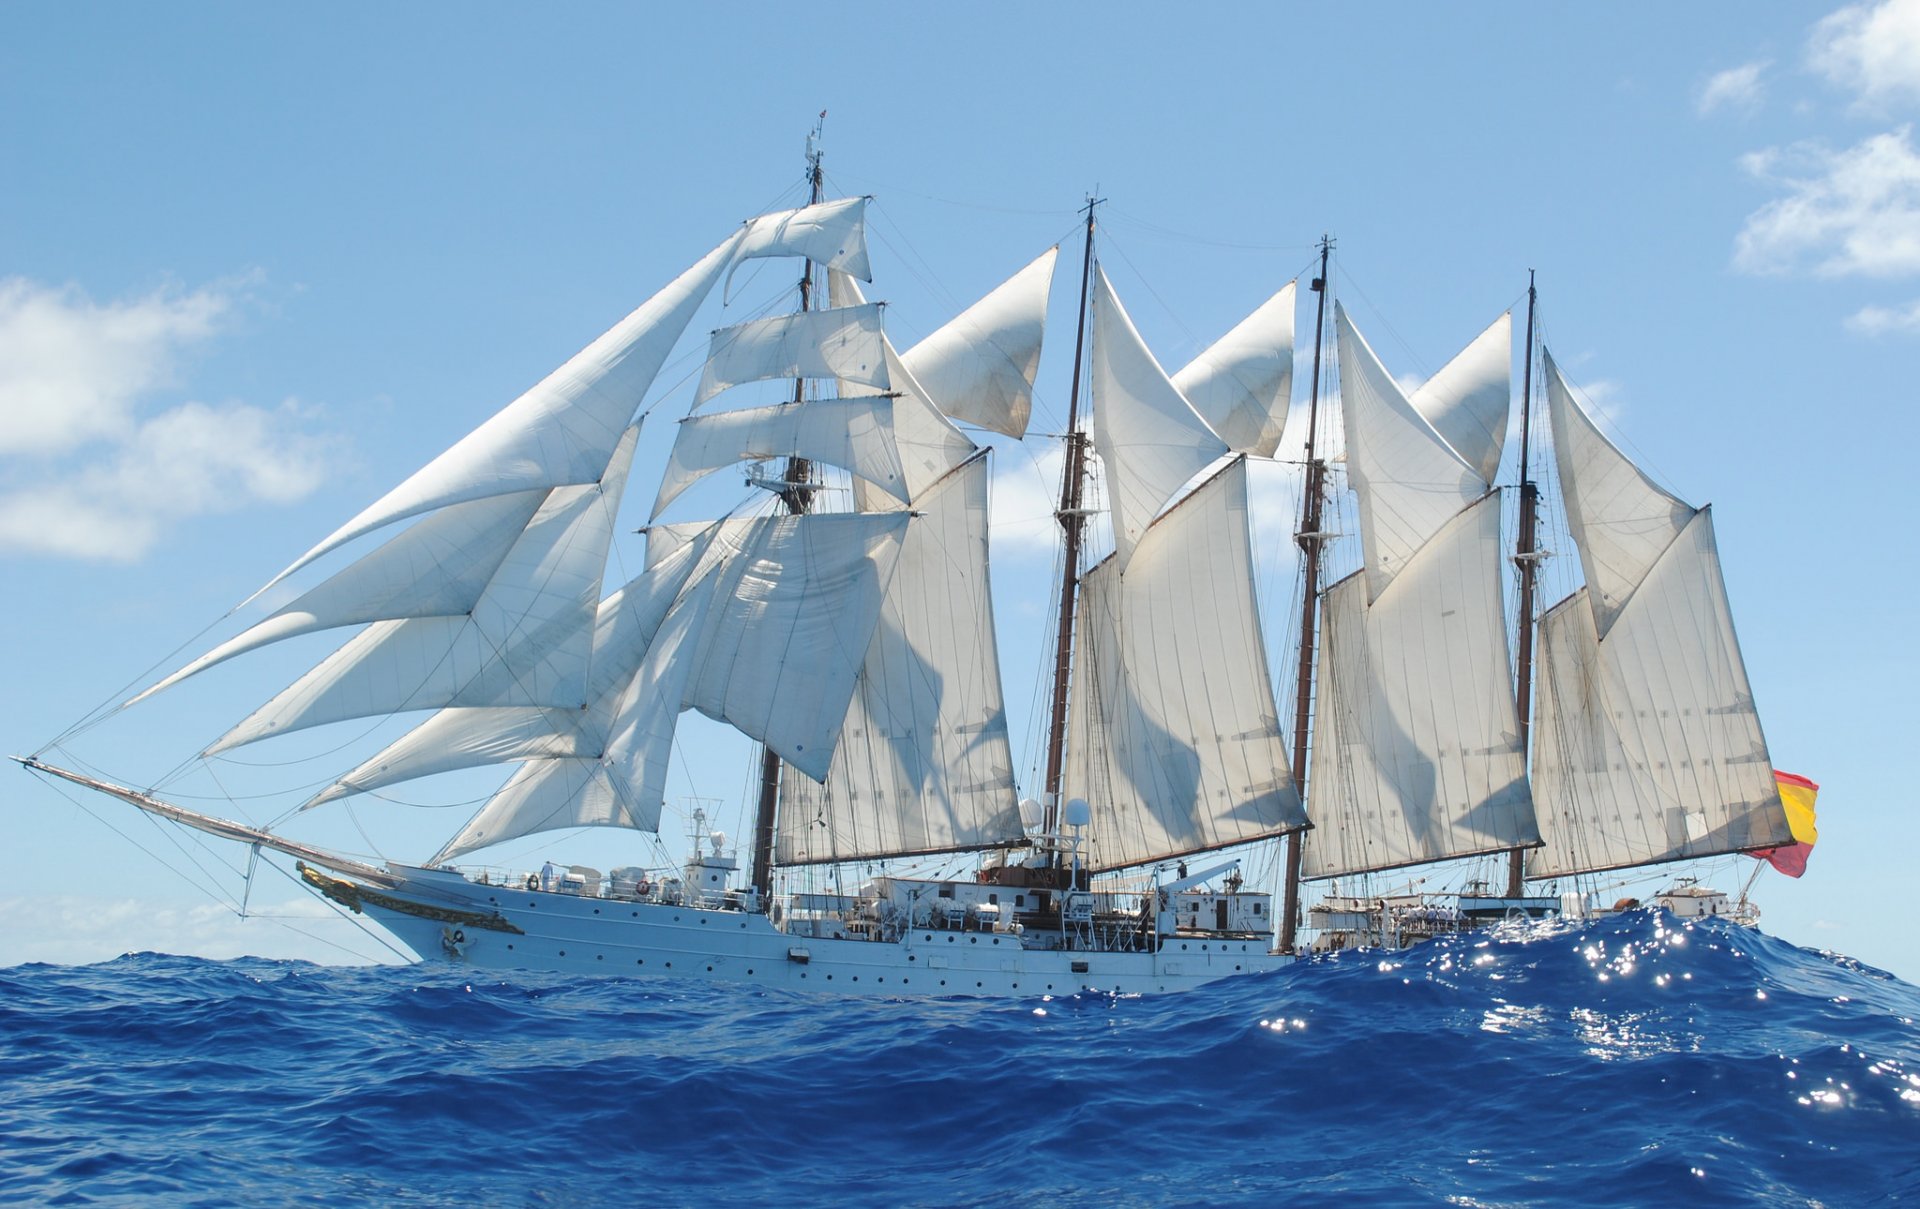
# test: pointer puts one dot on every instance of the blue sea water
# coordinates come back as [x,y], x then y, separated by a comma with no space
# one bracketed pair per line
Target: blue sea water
[1634,1061]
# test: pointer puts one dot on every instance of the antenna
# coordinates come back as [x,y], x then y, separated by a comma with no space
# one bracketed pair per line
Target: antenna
[813,146]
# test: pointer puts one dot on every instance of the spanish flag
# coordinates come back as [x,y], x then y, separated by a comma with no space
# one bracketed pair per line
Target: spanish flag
[1796,794]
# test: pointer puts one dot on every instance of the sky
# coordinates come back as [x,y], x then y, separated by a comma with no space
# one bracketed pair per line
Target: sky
[259,263]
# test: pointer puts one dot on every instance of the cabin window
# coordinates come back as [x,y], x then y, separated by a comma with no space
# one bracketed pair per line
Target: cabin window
[994,899]
[946,890]
[1256,908]
[1019,900]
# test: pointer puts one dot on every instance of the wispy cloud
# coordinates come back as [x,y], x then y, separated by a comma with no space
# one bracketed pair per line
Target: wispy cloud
[1854,212]
[1735,88]
[1881,320]
[1872,50]
[89,467]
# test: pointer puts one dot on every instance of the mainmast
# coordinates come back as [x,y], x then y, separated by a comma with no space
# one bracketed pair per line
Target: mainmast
[797,494]
[1072,517]
[1311,541]
[1527,557]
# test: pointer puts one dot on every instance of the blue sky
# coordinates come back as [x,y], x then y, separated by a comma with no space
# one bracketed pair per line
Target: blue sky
[257,263]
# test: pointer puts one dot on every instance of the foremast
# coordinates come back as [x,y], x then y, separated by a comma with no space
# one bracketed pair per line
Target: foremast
[1311,541]
[798,497]
[1073,518]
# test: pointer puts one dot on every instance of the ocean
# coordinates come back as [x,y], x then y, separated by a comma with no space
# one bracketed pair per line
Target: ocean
[1632,1061]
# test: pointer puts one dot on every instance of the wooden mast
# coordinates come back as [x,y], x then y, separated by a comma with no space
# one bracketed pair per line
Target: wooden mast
[1072,518]
[1311,540]
[1526,556]
[798,496]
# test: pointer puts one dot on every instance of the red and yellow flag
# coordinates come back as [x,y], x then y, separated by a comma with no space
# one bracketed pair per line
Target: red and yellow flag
[1797,795]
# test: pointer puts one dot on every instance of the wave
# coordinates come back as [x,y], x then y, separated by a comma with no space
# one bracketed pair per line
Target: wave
[1633,1060]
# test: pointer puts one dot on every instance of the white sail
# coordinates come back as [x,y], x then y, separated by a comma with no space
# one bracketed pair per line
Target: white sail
[1469,400]
[930,445]
[1241,385]
[1150,440]
[979,366]
[560,433]
[469,737]
[923,763]
[843,343]
[855,434]
[1175,739]
[1620,521]
[435,568]
[793,616]
[832,234]
[1649,748]
[548,795]
[1416,751]
[760,640]
[527,639]
[1409,481]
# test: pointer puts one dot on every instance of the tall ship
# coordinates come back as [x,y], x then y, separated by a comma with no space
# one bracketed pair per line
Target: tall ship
[841,619]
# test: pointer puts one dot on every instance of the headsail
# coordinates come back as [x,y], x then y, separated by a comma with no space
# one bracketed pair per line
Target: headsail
[560,433]
[527,639]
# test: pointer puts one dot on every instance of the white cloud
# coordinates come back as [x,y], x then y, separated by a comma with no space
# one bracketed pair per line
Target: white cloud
[1881,320]
[1026,490]
[1846,213]
[1736,88]
[83,473]
[71,369]
[1872,50]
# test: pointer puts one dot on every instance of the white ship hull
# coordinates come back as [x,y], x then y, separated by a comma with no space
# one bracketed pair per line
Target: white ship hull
[441,916]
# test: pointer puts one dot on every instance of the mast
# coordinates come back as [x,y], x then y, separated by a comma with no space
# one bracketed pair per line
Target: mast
[799,498]
[1526,557]
[1311,541]
[1072,519]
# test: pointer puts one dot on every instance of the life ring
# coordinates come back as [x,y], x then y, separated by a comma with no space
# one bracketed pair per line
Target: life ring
[533,881]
